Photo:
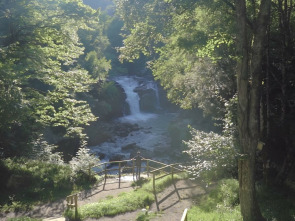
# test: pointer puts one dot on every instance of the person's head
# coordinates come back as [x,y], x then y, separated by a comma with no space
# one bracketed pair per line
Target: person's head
[138,152]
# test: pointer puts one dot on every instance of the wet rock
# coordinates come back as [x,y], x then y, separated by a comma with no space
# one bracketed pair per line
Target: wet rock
[130,147]
[117,157]
[101,156]
[124,129]
[148,98]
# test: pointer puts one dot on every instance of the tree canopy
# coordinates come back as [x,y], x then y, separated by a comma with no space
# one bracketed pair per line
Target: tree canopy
[50,52]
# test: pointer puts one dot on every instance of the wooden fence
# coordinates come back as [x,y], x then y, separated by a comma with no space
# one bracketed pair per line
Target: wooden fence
[72,202]
[126,167]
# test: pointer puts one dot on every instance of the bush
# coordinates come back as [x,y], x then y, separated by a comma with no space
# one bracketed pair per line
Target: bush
[32,181]
[82,164]
[215,155]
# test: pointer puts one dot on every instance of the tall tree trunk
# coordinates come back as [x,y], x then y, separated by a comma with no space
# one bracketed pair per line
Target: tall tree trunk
[249,84]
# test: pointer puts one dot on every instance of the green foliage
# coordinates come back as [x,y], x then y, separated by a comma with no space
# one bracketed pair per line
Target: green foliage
[191,50]
[276,203]
[42,68]
[222,203]
[30,181]
[215,155]
[27,182]
[111,100]
[45,152]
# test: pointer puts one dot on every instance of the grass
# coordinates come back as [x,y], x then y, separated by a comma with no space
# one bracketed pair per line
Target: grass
[146,215]
[221,204]
[125,202]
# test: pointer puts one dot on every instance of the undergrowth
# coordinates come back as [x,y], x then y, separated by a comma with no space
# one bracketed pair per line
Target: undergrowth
[276,203]
[28,182]
[220,204]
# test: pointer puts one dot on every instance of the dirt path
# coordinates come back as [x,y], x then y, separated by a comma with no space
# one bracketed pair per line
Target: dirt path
[172,203]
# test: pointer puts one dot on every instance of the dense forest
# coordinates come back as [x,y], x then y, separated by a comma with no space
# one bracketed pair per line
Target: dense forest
[230,60]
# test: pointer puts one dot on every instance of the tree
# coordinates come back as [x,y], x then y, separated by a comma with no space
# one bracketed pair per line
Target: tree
[40,70]
[250,51]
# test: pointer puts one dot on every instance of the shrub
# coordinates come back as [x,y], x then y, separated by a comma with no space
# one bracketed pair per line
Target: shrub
[82,164]
[45,152]
[31,181]
[214,155]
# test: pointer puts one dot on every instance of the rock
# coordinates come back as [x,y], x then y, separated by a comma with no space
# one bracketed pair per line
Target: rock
[148,101]
[101,156]
[124,129]
[130,147]
[148,98]
[117,157]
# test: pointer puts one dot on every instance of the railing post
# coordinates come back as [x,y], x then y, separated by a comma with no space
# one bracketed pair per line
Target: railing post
[76,206]
[148,168]
[119,175]
[154,183]
[154,187]
[133,162]
[105,175]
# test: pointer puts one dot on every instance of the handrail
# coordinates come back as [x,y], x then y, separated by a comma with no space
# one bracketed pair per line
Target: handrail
[147,168]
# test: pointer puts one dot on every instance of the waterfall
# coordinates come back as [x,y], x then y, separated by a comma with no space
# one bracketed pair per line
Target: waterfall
[132,98]
[129,84]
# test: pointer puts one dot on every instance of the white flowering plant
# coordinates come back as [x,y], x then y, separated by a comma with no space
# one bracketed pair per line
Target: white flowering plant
[214,155]
[83,163]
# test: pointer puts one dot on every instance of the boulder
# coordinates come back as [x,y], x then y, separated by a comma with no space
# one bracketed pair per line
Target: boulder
[117,157]
[130,147]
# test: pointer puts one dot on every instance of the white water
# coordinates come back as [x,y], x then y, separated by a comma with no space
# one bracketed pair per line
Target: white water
[129,84]
[153,135]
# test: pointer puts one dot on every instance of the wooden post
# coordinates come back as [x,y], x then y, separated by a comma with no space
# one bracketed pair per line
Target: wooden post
[154,183]
[147,168]
[76,206]
[119,175]
[133,168]
[154,187]
[105,175]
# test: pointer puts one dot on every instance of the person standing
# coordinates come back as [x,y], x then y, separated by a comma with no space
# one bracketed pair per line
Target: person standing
[138,158]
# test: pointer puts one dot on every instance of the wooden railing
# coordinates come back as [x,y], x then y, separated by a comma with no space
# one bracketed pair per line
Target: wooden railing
[164,171]
[72,202]
[128,167]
